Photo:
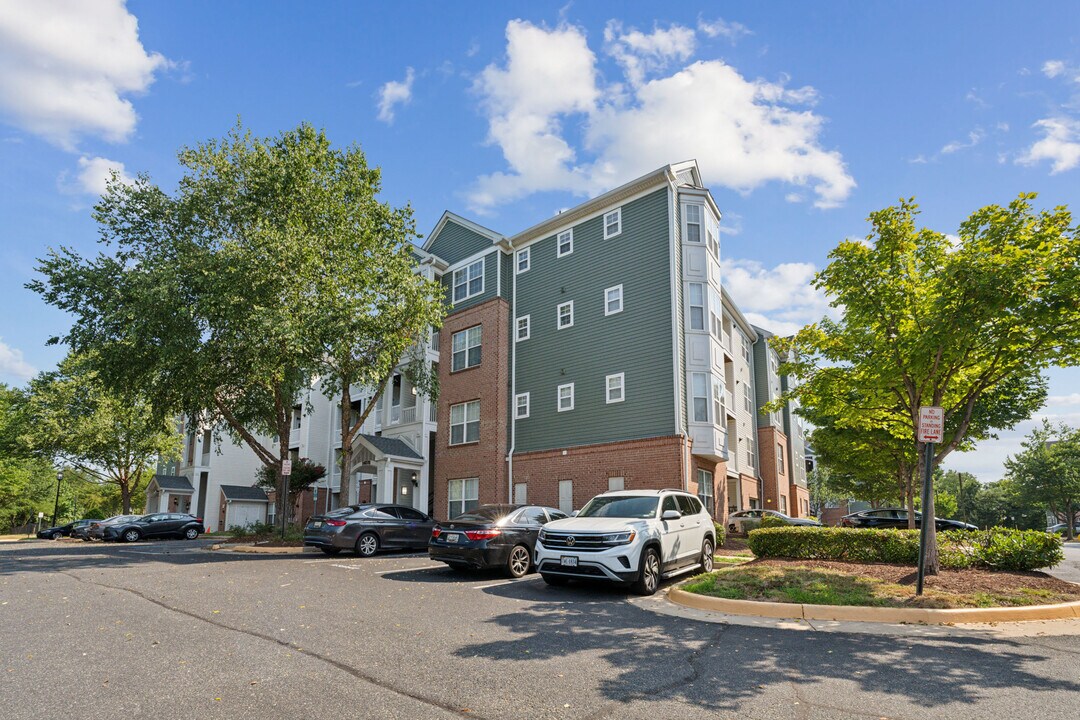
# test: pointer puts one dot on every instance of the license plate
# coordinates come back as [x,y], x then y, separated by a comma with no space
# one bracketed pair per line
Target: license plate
[452,537]
[568,561]
[317,523]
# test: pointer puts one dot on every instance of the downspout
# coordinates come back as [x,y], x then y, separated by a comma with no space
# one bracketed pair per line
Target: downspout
[513,378]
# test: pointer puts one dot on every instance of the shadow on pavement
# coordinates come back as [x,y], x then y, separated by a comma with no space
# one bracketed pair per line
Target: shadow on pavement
[49,557]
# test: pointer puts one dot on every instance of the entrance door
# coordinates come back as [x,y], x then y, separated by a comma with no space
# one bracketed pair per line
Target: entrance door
[203,479]
[363,491]
[403,487]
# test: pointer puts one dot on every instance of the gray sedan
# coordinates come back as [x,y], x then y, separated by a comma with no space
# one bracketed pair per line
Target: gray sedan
[366,529]
[746,520]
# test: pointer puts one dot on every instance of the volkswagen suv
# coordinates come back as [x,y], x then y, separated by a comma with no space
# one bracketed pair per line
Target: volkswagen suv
[635,537]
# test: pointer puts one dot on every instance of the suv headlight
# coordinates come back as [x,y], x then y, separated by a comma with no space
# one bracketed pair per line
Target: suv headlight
[542,535]
[620,538]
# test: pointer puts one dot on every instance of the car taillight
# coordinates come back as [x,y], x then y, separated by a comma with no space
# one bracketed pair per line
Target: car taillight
[198,520]
[436,531]
[482,534]
[334,523]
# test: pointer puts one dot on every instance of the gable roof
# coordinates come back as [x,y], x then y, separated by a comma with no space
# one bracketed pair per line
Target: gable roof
[389,446]
[173,482]
[241,492]
[463,238]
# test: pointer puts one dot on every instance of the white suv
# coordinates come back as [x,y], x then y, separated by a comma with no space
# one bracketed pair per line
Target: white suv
[631,536]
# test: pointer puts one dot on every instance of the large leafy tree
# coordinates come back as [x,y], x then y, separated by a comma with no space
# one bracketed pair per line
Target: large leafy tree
[1047,471]
[930,320]
[305,473]
[109,436]
[27,483]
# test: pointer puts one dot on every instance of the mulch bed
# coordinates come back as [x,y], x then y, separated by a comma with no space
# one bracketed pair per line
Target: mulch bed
[951,581]
[734,546]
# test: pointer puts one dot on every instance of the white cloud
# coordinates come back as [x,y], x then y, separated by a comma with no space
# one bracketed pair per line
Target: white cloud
[975,137]
[721,28]
[1053,68]
[1060,144]
[66,67]
[395,93]
[95,172]
[1059,400]
[639,53]
[780,299]
[743,132]
[13,364]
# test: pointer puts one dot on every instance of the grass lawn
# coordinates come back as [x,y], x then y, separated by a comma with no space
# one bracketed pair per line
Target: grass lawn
[730,560]
[816,585]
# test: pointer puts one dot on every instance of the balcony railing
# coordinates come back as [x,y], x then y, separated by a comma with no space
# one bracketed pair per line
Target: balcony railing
[408,415]
[433,411]
[729,399]
[434,343]
[395,414]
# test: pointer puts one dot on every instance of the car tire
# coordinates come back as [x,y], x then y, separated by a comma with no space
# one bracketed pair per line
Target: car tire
[707,556]
[191,534]
[57,535]
[731,528]
[131,536]
[367,544]
[330,550]
[648,580]
[555,580]
[518,562]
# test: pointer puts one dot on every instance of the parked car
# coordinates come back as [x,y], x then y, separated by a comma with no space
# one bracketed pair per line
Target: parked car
[635,537]
[491,536]
[366,529]
[97,529]
[1058,529]
[70,530]
[155,525]
[897,518]
[747,520]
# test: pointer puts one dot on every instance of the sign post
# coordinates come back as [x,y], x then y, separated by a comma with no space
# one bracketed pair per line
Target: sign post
[286,471]
[930,431]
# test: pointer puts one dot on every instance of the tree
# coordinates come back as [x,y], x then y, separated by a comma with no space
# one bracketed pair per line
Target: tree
[1047,471]
[929,321]
[111,437]
[27,483]
[305,473]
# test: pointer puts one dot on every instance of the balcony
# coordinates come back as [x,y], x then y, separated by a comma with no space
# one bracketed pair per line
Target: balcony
[433,343]
[729,402]
[408,415]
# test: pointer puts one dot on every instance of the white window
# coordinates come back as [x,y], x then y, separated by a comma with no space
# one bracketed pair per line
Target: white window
[521,492]
[715,314]
[566,397]
[566,496]
[523,260]
[466,349]
[748,399]
[697,306]
[469,281]
[523,327]
[783,504]
[699,390]
[613,300]
[565,242]
[464,496]
[750,453]
[566,315]
[718,402]
[780,458]
[714,247]
[615,387]
[705,489]
[746,349]
[465,423]
[521,405]
[693,223]
[614,484]
[612,223]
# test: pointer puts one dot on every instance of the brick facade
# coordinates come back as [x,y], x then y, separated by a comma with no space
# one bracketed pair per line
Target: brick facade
[489,383]
[775,481]
[800,501]
[719,493]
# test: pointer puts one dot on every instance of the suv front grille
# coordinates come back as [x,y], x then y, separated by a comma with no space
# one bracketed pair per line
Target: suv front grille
[584,570]
[576,542]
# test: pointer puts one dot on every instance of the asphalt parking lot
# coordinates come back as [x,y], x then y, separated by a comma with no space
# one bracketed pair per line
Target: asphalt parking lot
[170,629]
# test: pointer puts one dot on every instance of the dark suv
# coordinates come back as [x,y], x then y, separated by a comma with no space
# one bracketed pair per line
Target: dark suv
[155,525]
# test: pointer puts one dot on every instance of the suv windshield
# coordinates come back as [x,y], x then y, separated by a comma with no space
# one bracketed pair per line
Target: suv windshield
[620,506]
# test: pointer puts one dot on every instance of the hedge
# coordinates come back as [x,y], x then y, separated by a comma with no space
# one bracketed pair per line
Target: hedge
[721,534]
[995,549]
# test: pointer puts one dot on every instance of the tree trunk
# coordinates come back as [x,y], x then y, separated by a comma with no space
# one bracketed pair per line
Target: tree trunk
[931,567]
[1070,521]
[125,496]
[346,445]
[910,499]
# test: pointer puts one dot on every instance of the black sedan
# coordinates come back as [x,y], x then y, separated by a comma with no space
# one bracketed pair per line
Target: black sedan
[491,536]
[366,529]
[897,518]
[72,529]
[97,529]
[80,530]
[156,525]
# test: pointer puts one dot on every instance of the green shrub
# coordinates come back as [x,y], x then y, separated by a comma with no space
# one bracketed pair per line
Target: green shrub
[721,534]
[996,549]
[771,521]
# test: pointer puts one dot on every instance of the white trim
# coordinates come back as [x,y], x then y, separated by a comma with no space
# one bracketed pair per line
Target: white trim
[558,397]
[523,252]
[517,328]
[498,273]
[454,283]
[463,222]
[617,212]
[622,387]
[607,300]
[464,423]
[676,326]
[517,406]
[471,259]
[558,315]
[700,242]
[559,240]
[478,344]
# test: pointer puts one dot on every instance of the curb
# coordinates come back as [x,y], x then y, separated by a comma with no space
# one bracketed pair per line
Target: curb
[254,549]
[922,616]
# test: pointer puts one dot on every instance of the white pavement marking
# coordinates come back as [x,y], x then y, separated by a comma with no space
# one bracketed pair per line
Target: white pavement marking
[349,567]
[527,578]
[410,569]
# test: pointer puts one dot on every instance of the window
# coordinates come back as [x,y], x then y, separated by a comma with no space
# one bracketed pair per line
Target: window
[615,390]
[613,300]
[566,315]
[780,458]
[566,496]
[521,405]
[521,492]
[565,242]
[523,328]
[532,516]
[409,514]
[615,484]
[469,281]
[745,349]
[783,504]
[714,247]
[297,414]
[715,314]
[750,453]
[463,496]
[566,397]
[693,223]
[697,306]
[523,260]
[718,402]
[700,390]
[748,399]
[466,345]
[612,223]
[705,489]
[465,423]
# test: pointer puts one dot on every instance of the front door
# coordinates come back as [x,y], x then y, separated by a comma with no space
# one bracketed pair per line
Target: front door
[403,487]
[364,491]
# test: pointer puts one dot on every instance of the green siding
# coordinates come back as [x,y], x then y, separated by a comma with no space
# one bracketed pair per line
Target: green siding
[491,282]
[506,267]
[684,420]
[454,243]
[637,341]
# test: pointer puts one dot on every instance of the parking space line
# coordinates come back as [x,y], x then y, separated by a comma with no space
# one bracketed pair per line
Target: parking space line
[425,567]
[527,578]
[349,567]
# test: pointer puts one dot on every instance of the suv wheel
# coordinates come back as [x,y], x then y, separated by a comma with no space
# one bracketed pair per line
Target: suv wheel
[191,533]
[649,576]
[707,556]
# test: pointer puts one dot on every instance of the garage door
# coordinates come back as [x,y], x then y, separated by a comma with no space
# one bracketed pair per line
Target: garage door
[245,513]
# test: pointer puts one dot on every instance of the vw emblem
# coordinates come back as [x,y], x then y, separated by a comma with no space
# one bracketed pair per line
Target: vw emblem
[571,540]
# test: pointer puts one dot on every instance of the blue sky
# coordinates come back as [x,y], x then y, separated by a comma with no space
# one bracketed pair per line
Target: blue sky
[804,117]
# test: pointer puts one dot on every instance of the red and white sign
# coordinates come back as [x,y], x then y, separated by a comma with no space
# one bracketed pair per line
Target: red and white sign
[286,467]
[931,424]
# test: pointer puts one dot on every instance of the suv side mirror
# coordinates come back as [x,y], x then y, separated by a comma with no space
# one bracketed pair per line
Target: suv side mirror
[671,515]
[574,513]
